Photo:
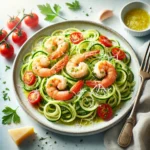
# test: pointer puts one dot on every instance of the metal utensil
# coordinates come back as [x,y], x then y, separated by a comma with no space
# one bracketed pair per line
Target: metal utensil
[125,136]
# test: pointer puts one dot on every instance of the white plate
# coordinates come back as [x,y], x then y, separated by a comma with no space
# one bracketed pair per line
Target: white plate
[73,129]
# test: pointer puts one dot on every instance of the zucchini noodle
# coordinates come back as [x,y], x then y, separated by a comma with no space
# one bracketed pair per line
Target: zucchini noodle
[83,105]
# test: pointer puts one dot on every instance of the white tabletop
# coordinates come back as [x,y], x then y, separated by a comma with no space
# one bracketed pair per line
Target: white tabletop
[54,141]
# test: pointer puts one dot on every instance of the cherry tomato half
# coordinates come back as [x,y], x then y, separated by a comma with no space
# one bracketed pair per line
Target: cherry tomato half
[105,111]
[29,78]
[34,97]
[32,20]
[3,34]
[76,37]
[19,37]
[105,41]
[118,53]
[13,22]
[6,50]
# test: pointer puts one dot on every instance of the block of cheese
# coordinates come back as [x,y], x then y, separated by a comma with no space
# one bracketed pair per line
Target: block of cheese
[19,134]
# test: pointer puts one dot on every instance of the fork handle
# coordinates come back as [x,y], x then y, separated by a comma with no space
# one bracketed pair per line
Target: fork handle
[125,136]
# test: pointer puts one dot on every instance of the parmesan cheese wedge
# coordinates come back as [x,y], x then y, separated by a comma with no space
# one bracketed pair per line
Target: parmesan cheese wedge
[19,134]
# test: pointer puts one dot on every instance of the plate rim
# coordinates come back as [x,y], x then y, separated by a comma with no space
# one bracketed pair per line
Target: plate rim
[42,123]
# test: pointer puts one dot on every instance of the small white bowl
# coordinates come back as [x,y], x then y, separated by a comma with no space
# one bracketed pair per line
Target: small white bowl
[131,6]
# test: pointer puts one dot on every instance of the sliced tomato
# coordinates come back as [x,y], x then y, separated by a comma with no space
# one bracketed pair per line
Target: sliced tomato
[105,41]
[76,37]
[29,78]
[34,97]
[77,87]
[118,53]
[105,111]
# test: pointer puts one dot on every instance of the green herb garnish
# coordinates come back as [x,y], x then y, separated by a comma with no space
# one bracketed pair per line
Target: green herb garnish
[7,89]
[50,13]
[7,68]
[74,5]
[42,138]
[10,116]
[6,97]
[4,82]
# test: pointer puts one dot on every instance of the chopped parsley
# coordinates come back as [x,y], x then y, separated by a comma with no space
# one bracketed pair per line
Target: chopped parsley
[7,68]
[5,95]
[4,82]
[7,89]
[42,138]
[87,14]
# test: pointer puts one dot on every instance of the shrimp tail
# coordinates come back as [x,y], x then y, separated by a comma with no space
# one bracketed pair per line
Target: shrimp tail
[94,84]
[59,65]
[65,95]
[91,53]
[77,87]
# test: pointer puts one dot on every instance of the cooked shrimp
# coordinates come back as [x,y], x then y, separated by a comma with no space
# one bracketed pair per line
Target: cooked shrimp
[76,68]
[56,46]
[56,83]
[105,70]
[40,66]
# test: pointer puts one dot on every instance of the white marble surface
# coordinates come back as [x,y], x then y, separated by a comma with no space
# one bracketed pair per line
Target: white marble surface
[10,7]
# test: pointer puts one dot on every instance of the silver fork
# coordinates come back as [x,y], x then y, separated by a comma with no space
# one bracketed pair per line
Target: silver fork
[125,136]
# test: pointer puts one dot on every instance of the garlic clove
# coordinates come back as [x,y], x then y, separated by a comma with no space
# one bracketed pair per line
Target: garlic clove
[105,14]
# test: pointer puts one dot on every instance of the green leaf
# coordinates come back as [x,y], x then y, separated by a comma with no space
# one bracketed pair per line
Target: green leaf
[50,17]
[46,9]
[7,119]
[57,8]
[8,110]
[16,118]
[74,5]
[10,115]
[49,13]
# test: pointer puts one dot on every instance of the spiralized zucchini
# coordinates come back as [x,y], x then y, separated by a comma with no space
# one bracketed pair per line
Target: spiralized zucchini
[83,106]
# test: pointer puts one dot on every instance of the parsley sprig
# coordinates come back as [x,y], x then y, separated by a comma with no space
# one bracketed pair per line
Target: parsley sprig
[10,116]
[50,13]
[74,5]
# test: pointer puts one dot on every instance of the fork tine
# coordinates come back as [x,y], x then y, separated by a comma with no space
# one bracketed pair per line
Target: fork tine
[143,61]
[146,68]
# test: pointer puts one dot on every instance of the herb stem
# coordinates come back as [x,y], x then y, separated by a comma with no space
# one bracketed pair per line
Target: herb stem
[13,28]
[16,108]
[61,17]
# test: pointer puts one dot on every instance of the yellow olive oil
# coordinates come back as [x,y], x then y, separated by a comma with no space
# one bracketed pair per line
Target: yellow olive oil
[137,19]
